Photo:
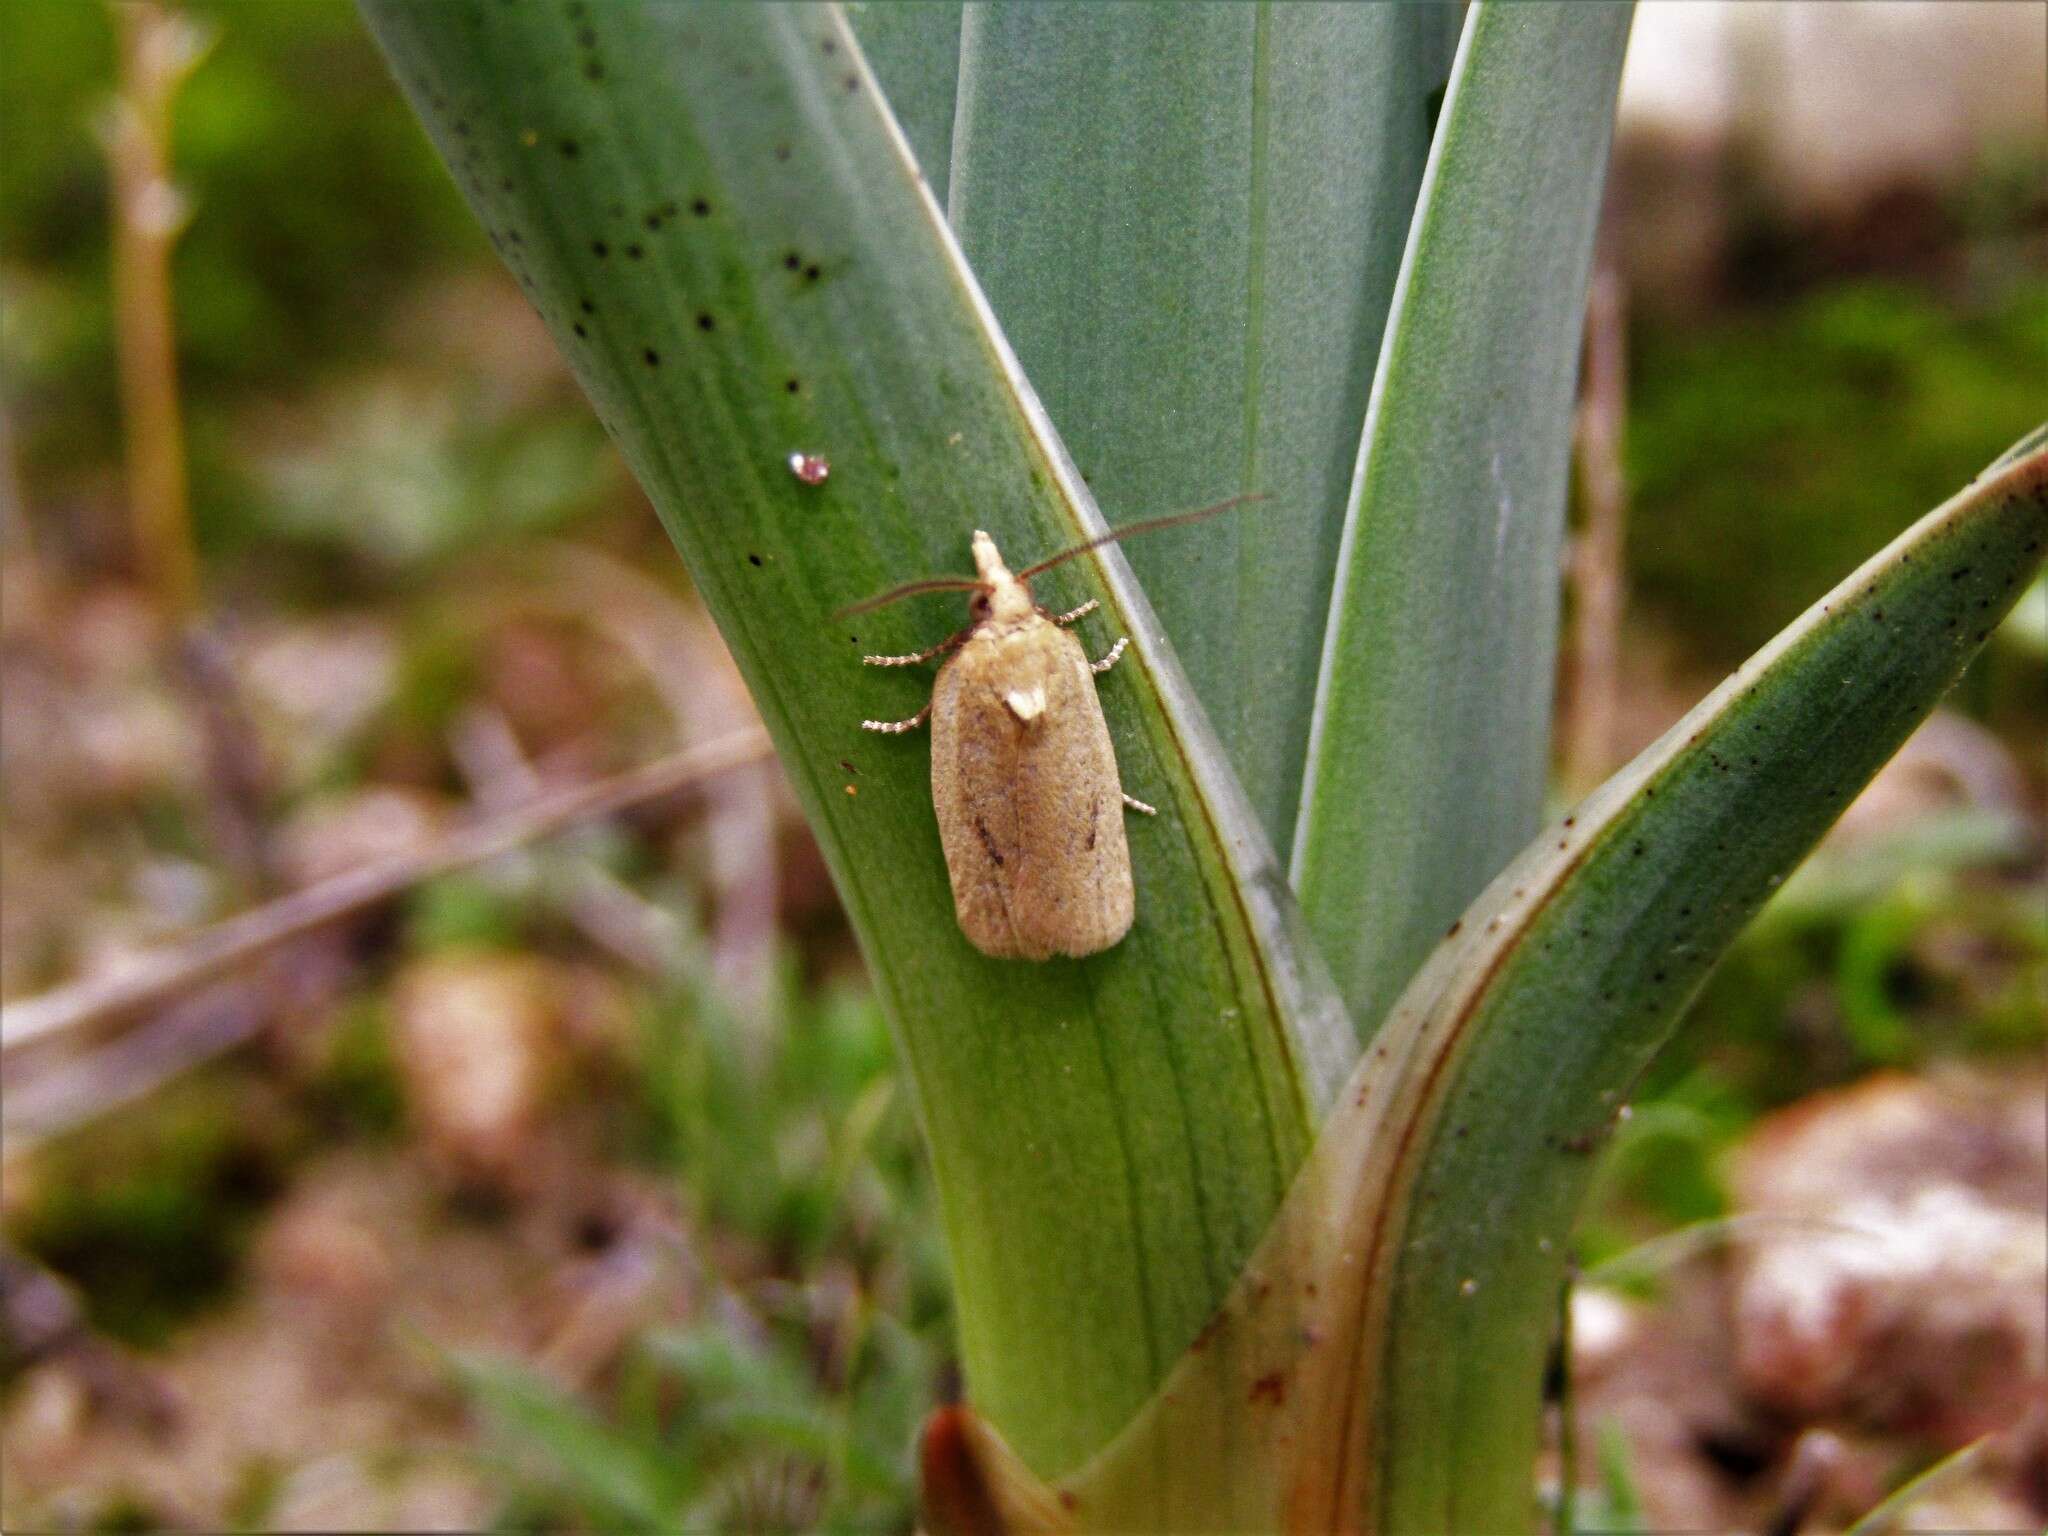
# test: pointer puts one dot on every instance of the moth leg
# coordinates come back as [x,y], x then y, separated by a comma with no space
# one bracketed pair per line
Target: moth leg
[1081,612]
[1110,660]
[897,727]
[1138,805]
[951,642]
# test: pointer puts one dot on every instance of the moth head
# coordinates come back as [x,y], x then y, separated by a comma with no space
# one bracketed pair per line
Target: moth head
[1003,597]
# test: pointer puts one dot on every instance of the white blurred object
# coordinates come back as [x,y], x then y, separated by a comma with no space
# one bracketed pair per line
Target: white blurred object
[1836,100]
[1904,1284]
[478,1045]
[1604,1324]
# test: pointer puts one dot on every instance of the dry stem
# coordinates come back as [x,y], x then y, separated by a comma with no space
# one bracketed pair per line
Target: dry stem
[1596,578]
[158,50]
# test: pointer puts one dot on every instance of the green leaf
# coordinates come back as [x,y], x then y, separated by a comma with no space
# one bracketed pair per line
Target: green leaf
[715,215]
[914,51]
[626,1481]
[1189,219]
[1431,735]
[1379,1365]
[1514,1052]
[1621,1499]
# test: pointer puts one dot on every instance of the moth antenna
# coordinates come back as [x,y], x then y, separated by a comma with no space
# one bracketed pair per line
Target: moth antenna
[1146,525]
[912,589]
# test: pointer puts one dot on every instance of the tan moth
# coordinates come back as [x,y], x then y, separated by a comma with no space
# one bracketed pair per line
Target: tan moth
[1024,777]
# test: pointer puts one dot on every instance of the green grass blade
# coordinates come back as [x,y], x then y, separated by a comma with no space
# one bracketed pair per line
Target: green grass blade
[1888,1515]
[1189,219]
[914,50]
[555,1439]
[1432,721]
[1517,1047]
[715,215]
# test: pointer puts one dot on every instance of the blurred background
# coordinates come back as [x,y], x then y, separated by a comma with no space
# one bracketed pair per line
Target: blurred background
[574,1188]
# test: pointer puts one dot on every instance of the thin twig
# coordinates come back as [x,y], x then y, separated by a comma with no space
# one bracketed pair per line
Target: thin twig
[674,644]
[210,1023]
[237,776]
[24,585]
[1816,1460]
[609,913]
[1565,1522]
[1596,565]
[154,977]
[17,534]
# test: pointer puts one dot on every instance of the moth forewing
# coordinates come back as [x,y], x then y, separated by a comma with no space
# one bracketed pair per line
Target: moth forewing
[1024,776]
[1030,809]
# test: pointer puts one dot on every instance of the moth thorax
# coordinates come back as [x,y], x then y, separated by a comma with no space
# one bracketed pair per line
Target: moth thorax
[1008,598]
[1027,704]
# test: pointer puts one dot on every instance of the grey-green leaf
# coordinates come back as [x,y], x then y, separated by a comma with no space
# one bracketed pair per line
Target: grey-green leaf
[1431,734]
[1189,219]
[1517,1047]
[716,216]
[914,50]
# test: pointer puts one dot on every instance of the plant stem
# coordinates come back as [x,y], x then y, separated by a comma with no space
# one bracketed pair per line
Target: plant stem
[158,49]
[1598,585]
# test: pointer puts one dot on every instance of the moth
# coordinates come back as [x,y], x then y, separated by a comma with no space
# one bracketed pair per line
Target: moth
[1024,777]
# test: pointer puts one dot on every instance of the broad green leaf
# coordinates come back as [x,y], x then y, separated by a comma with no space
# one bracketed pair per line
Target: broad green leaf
[914,50]
[1521,1041]
[1379,1365]
[1431,735]
[717,218]
[1188,219]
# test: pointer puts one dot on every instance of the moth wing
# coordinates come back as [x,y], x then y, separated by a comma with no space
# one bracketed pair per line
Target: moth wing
[1029,804]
